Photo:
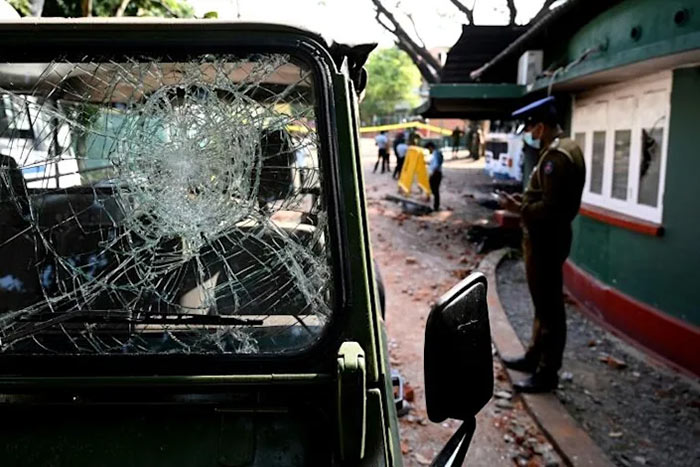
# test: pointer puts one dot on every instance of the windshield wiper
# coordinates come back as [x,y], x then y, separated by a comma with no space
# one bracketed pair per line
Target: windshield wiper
[41,321]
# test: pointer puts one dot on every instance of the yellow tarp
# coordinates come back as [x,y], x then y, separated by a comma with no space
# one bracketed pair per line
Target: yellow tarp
[414,168]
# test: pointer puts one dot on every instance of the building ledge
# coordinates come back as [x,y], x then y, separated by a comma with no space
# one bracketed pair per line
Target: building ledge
[477,91]
[606,68]
[477,101]
[621,220]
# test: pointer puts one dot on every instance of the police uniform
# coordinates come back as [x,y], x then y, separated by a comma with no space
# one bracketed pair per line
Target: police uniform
[550,202]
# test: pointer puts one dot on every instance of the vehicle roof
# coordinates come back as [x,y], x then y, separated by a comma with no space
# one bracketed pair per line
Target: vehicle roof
[150,24]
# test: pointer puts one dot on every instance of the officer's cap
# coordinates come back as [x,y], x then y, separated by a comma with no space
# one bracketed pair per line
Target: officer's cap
[542,110]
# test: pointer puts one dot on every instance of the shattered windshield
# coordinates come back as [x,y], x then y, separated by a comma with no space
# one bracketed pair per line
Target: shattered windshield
[156,206]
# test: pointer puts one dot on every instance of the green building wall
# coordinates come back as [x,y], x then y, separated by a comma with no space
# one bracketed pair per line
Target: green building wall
[664,271]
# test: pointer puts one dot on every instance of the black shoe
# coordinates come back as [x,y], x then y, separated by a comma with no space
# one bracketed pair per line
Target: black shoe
[539,382]
[520,364]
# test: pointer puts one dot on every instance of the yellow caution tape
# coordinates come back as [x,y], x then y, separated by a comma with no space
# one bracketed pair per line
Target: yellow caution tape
[398,126]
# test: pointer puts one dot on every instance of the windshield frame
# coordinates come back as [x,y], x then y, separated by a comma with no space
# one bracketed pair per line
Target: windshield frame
[46,41]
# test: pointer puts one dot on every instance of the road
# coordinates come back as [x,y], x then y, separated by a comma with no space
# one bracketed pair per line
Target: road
[420,258]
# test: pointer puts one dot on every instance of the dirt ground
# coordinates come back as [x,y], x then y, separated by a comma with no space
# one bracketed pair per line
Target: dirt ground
[421,257]
[637,411]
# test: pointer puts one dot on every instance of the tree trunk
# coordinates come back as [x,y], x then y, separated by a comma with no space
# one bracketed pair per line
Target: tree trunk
[86,7]
[122,8]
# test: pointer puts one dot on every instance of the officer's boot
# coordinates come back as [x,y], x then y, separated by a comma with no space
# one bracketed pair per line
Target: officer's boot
[524,363]
[541,381]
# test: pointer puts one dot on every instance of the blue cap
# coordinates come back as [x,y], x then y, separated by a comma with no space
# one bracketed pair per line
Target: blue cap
[542,110]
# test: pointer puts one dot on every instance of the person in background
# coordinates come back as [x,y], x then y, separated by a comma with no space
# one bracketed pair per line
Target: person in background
[435,173]
[400,151]
[382,143]
[398,139]
[550,202]
[456,140]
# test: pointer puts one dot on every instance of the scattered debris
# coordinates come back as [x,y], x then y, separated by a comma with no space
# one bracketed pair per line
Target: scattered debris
[613,362]
[503,404]
[411,260]
[422,460]
[410,206]
[615,434]
[567,376]
[519,432]
[408,393]
[503,395]
[550,459]
[461,273]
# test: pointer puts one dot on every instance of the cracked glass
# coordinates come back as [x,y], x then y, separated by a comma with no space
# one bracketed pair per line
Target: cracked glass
[150,205]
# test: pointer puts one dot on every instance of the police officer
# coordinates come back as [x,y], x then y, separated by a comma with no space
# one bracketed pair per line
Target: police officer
[550,202]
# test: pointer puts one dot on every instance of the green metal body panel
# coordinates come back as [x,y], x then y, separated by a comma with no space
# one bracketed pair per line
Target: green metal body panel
[259,418]
[659,271]
[374,330]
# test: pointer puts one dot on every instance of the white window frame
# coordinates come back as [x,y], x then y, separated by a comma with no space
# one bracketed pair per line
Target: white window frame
[617,107]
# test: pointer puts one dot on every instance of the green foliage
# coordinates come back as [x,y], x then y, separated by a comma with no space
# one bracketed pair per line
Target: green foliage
[23,7]
[393,80]
[161,8]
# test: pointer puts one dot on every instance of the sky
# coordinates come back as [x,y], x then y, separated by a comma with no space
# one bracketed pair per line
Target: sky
[438,22]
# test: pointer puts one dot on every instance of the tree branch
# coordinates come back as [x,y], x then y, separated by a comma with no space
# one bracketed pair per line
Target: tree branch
[426,72]
[122,8]
[543,11]
[468,12]
[166,8]
[415,30]
[512,12]
[404,38]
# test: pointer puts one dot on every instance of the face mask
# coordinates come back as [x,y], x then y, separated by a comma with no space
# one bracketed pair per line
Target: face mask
[530,141]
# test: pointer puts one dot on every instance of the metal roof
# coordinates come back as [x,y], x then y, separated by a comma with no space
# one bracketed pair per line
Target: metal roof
[476,46]
[557,25]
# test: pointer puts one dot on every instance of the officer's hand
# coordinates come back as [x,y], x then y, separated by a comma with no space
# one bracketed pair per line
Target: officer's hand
[509,203]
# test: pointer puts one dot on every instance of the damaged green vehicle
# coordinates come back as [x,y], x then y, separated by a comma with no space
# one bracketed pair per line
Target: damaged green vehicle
[185,267]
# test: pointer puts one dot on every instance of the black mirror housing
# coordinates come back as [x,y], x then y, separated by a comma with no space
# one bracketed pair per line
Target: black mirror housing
[457,354]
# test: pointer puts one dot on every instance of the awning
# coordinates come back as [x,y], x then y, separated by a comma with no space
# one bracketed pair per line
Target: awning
[476,101]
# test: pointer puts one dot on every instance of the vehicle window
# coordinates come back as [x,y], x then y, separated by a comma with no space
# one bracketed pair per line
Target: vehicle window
[160,206]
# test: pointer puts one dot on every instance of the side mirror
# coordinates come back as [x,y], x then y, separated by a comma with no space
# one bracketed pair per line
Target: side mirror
[457,355]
